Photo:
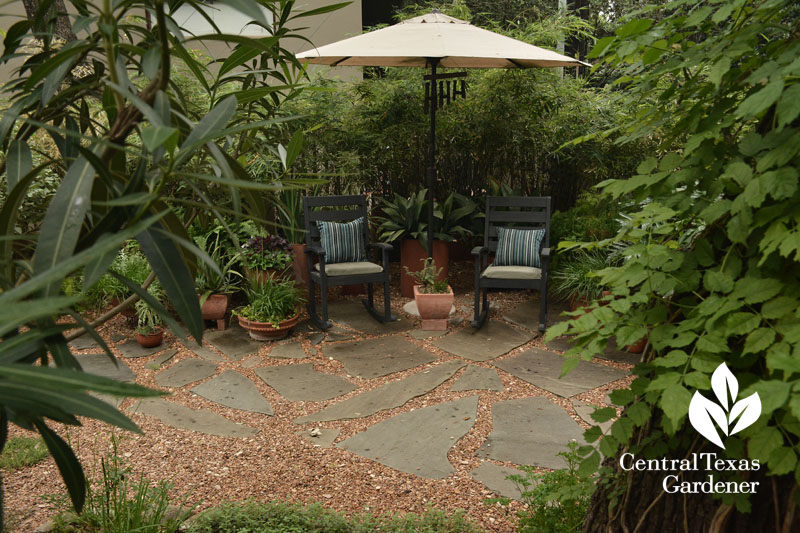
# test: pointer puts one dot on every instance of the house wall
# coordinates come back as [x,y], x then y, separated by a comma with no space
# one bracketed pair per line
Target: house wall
[320,30]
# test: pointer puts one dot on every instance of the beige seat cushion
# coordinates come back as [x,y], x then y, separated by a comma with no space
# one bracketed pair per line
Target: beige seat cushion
[350,269]
[512,272]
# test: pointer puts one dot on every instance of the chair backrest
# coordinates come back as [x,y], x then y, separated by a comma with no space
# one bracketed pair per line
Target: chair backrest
[333,209]
[516,212]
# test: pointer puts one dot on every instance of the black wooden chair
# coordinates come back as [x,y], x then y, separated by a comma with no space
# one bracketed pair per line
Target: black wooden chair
[519,213]
[342,209]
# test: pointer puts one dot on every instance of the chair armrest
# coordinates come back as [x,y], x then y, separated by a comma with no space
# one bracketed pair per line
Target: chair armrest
[381,245]
[385,248]
[545,254]
[478,250]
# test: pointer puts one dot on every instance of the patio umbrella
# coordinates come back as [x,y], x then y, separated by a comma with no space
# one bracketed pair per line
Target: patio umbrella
[435,40]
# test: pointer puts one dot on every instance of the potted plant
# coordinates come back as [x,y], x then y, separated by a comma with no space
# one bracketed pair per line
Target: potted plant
[405,219]
[290,216]
[214,286]
[149,330]
[575,280]
[266,257]
[271,311]
[434,297]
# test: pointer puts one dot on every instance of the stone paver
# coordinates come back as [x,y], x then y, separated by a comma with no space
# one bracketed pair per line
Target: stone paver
[526,314]
[204,352]
[232,389]
[417,442]
[288,350]
[99,364]
[301,383]
[614,353]
[200,420]
[386,396]
[337,333]
[130,349]
[162,358]
[543,369]
[373,358]
[252,362]
[421,334]
[84,343]
[320,437]
[492,340]
[585,411]
[530,431]
[184,372]
[478,378]
[561,344]
[353,315]
[494,477]
[234,342]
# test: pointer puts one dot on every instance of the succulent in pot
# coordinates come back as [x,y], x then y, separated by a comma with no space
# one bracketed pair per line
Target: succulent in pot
[434,297]
[271,310]
[266,257]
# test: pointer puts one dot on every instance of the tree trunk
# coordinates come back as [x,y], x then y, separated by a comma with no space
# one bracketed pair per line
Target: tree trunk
[63,27]
[643,506]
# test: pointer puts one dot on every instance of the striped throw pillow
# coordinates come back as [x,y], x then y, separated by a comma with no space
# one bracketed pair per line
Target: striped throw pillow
[343,242]
[518,247]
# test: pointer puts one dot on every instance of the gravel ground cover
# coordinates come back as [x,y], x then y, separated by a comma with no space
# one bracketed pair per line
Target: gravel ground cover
[281,461]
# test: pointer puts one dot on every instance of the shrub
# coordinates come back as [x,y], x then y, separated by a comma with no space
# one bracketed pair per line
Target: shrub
[124,503]
[592,219]
[557,501]
[284,517]
[22,451]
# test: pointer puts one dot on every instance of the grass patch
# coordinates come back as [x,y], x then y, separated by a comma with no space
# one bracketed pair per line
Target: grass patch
[283,517]
[20,452]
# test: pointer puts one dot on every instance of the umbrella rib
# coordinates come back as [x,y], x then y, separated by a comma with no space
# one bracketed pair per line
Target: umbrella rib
[336,63]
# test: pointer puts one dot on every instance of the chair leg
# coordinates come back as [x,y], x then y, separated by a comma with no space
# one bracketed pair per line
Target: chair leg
[322,322]
[481,309]
[477,308]
[543,309]
[369,304]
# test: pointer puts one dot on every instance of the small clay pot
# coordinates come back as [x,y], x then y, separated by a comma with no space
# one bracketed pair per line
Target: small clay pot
[434,308]
[638,346]
[150,341]
[265,331]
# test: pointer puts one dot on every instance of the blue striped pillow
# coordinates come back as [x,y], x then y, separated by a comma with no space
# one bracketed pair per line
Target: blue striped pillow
[518,247]
[343,242]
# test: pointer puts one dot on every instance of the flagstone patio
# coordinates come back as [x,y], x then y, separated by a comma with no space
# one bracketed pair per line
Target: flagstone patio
[365,371]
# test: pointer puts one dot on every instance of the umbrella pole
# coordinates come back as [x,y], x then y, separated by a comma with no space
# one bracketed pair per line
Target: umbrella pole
[431,170]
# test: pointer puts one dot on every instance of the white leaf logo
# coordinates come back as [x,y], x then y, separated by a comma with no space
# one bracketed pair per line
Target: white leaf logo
[704,413]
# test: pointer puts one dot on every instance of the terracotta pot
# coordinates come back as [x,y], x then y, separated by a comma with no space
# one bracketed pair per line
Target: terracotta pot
[638,346]
[150,341]
[460,251]
[577,303]
[412,254]
[434,308]
[263,275]
[300,264]
[265,331]
[214,308]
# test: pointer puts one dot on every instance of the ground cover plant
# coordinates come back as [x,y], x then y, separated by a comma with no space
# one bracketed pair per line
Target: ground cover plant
[711,275]
[134,157]
[22,451]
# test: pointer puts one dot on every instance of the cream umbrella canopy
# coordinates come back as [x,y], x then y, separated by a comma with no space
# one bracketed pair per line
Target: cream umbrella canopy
[435,40]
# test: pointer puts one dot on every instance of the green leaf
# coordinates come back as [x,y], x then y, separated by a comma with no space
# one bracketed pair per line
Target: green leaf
[14,36]
[63,220]
[779,307]
[601,46]
[718,70]
[608,446]
[739,171]
[589,465]
[759,340]
[604,414]
[21,313]
[205,130]
[250,8]
[757,290]
[68,465]
[639,413]
[570,364]
[672,359]
[774,394]
[164,257]
[675,402]
[321,10]
[787,109]
[622,397]
[781,183]
[156,136]
[294,148]
[18,162]
[759,101]
[70,379]
[715,281]
[782,461]
[633,27]
[764,442]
